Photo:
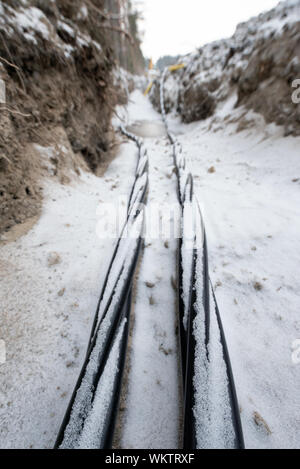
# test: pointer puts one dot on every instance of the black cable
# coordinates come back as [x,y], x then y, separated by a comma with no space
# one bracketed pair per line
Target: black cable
[187,338]
[120,312]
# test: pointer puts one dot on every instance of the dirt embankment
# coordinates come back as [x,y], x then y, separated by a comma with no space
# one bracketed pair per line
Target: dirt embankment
[58,68]
[258,63]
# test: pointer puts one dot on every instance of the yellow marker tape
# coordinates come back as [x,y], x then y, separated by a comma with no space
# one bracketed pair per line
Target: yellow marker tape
[173,68]
[148,88]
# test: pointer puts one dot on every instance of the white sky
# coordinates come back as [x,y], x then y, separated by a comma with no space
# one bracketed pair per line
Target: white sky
[179,26]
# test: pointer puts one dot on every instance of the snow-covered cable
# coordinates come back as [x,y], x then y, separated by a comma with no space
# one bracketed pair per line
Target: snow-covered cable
[211,411]
[90,418]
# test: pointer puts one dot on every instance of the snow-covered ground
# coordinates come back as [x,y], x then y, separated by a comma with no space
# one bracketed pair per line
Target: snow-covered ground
[248,184]
[152,410]
[248,187]
[50,282]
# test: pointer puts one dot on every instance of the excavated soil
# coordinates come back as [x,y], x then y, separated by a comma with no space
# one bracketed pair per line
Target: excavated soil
[259,63]
[60,96]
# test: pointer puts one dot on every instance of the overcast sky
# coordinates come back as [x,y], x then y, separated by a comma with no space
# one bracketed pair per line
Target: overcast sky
[179,26]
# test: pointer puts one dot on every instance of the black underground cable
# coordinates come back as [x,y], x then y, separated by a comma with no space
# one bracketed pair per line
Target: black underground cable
[114,404]
[102,360]
[187,338]
[96,318]
[120,312]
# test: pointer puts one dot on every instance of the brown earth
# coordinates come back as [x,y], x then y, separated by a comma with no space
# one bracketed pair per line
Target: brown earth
[259,66]
[196,103]
[53,99]
[266,84]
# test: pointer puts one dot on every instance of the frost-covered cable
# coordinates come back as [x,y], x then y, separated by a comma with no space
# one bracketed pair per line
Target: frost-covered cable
[90,418]
[211,411]
[141,173]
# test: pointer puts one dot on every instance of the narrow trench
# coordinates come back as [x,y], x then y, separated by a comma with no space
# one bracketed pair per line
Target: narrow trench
[117,442]
[126,436]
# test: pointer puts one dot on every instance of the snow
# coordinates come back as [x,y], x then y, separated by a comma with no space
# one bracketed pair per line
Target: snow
[33,19]
[139,188]
[216,67]
[46,335]
[251,211]
[47,153]
[152,415]
[124,249]
[251,208]
[83,418]
[32,23]
[187,254]
[94,425]
[83,13]
[66,28]
[212,411]
[139,109]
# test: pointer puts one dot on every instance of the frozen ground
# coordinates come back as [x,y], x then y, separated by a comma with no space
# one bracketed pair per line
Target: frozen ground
[248,184]
[152,415]
[47,310]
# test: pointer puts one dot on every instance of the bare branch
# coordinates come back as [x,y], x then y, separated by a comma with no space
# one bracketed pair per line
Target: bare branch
[9,63]
[101,12]
[13,111]
[110,17]
[121,31]
[19,71]
[4,157]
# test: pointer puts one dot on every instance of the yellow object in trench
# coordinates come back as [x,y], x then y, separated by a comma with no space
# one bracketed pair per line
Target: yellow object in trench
[148,88]
[173,68]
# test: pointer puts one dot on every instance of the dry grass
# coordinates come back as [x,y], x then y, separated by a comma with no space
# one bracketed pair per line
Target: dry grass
[260,422]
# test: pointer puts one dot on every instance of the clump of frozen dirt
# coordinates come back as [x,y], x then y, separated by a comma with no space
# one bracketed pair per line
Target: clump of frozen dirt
[59,71]
[258,63]
[197,103]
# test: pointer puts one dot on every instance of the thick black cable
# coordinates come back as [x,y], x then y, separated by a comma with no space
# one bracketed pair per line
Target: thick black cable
[96,318]
[120,312]
[105,353]
[114,404]
[187,337]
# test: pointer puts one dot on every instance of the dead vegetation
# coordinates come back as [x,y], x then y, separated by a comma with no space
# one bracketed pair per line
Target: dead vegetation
[261,423]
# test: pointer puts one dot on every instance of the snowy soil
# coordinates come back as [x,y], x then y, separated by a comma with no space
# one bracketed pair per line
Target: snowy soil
[248,187]
[50,285]
[248,184]
[152,410]
[152,415]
